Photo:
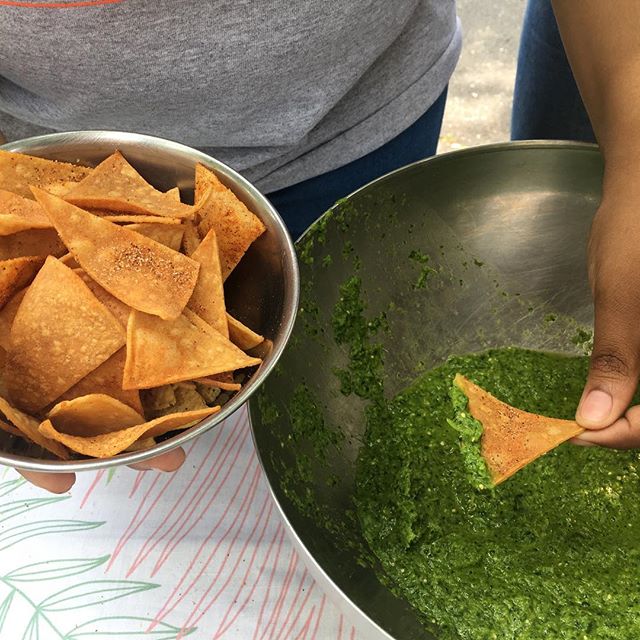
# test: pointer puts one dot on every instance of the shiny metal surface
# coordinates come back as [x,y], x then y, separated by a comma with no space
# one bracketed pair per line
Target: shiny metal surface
[262,291]
[505,229]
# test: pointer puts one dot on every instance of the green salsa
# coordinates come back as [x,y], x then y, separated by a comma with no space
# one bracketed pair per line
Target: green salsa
[552,553]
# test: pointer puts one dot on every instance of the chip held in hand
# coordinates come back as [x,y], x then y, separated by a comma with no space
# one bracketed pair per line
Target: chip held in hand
[512,438]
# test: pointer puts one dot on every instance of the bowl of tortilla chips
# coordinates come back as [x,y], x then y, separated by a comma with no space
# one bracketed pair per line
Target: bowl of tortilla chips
[146,291]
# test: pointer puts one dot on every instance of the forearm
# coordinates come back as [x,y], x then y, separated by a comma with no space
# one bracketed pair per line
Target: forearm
[602,40]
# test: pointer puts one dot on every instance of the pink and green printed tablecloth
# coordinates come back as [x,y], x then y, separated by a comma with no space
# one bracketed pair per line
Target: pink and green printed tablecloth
[201,553]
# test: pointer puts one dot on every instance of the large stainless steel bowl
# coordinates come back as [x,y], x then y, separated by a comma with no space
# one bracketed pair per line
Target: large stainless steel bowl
[504,227]
[262,291]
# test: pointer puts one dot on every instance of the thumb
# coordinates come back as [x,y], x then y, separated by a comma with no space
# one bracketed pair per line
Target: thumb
[614,366]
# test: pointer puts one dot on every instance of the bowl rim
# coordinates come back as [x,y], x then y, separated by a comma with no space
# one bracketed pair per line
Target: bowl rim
[286,323]
[318,570]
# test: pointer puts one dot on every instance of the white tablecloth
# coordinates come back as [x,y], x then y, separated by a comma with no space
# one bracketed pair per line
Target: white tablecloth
[201,553]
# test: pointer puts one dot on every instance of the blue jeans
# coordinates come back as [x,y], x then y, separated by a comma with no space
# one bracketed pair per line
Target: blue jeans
[304,202]
[546,102]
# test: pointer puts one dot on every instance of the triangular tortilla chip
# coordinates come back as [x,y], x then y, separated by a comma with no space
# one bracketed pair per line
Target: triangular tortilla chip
[512,438]
[18,172]
[18,214]
[106,379]
[15,274]
[4,392]
[141,445]
[241,335]
[225,385]
[69,261]
[119,309]
[115,185]
[7,314]
[33,242]
[173,193]
[191,239]
[109,444]
[164,351]
[126,219]
[28,427]
[236,227]
[60,333]
[140,272]
[170,235]
[207,299]
[92,415]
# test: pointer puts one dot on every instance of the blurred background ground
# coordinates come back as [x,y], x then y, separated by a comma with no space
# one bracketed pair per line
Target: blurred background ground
[479,103]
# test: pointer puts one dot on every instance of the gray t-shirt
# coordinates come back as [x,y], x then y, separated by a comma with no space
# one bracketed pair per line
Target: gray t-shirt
[280,90]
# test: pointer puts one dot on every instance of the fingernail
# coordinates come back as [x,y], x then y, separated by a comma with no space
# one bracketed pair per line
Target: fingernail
[596,406]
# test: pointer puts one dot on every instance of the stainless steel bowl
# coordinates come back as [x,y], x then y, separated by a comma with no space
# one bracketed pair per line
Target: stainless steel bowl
[505,229]
[262,291]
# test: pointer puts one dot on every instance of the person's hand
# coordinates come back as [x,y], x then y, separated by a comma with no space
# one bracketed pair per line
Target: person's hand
[614,274]
[62,482]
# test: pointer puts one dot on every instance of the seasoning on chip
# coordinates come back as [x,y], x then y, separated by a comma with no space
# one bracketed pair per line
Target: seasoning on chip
[191,238]
[241,335]
[512,438]
[164,351]
[18,214]
[207,299]
[115,185]
[170,235]
[28,427]
[60,333]
[106,379]
[93,415]
[140,272]
[20,172]
[33,242]
[220,209]
[109,444]
[15,274]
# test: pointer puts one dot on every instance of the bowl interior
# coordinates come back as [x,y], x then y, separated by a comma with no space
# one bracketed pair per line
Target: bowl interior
[262,291]
[461,252]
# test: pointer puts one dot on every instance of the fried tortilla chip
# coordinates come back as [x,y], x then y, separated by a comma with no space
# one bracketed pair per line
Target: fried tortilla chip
[109,444]
[191,239]
[241,335]
[141,445]
[207,299]
[164,351]
[18,214]
[15,274]
[174,194]
[126,219]
[187,398]
[28,427]
[69,261]
[225,385]
[9,428]
[93,415]
[236,227]
[119,309]
[170,235]
[107,380]
[33,242]
[18,172]
[512,438]
[140,272]
[116,186]
[60,333]
[3,374]
[7,314]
